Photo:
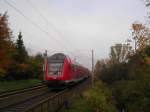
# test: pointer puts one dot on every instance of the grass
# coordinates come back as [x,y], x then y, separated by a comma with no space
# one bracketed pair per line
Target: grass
[19,84]
[95,99]
[100,98]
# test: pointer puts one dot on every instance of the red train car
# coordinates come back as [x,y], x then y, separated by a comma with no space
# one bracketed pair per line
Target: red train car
[61,70]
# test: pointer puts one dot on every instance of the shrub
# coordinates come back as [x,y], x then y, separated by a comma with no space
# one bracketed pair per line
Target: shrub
[114,73]
[133,95]
[99,98]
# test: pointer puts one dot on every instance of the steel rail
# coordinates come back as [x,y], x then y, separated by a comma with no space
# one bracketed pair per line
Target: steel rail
[13,97]
[11,92]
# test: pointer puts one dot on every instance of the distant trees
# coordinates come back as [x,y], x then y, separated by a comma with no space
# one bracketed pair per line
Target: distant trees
[15,63]
[114,73]
[130,80]
[127,72]
[24,66]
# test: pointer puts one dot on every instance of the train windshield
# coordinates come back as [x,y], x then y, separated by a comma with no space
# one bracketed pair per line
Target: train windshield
[55,68]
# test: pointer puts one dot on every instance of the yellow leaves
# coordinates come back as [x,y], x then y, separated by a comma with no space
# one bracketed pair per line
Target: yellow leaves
[5,62]
[137,26]
[6,45]
[147,61]
[2,72]
[141,36]
[23,67]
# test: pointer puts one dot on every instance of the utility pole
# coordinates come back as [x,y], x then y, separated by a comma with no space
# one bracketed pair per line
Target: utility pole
[92,67]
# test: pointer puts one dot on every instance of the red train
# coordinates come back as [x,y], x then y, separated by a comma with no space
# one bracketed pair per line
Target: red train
[61,70]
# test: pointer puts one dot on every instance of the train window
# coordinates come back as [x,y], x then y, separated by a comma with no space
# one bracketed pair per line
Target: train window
[72,67]
[75,68]
[55,68]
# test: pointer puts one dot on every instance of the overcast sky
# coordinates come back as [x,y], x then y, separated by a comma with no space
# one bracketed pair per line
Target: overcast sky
[74,27]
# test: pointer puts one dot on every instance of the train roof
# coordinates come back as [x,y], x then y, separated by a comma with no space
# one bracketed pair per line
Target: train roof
[57,57]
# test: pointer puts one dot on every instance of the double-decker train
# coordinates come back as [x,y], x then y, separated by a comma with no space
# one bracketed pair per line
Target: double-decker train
[60,70]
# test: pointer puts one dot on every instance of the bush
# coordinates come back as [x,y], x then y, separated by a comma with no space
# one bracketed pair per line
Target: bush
[133,96]
[29,70]
[17,72]
[35,68]
[147,51]
[2,73]
[99,98]
[114,73]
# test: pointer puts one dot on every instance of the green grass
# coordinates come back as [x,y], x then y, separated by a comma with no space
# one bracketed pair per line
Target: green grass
[19,84]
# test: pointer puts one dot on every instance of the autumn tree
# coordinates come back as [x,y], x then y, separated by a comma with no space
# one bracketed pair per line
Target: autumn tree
[141,36]
[6,45]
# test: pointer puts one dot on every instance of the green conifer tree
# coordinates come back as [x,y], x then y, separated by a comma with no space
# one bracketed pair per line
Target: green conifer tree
[21,50]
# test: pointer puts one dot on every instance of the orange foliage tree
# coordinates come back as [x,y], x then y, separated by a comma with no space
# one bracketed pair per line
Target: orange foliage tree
[6,44]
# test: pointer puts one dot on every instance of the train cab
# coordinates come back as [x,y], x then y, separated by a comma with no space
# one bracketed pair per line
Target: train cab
[60,70]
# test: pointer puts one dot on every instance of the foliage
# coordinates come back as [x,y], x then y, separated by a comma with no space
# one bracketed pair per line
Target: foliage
[95,99]
[31,69]
[35,66]
[130,82]
[141,36]
[97,70]
[100,98]
[21,53]
[6,45]
[147,51]
[133,95]
[15,63]
[114,73]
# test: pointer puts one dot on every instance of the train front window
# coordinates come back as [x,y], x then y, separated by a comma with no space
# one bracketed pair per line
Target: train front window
[55,68]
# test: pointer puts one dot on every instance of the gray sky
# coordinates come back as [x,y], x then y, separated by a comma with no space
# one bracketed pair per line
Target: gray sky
[74,27]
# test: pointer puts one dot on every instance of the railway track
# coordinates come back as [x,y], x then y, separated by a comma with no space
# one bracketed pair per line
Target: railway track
[13,97]
[25,106]
[61,99]
[7,93]
[40,100]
